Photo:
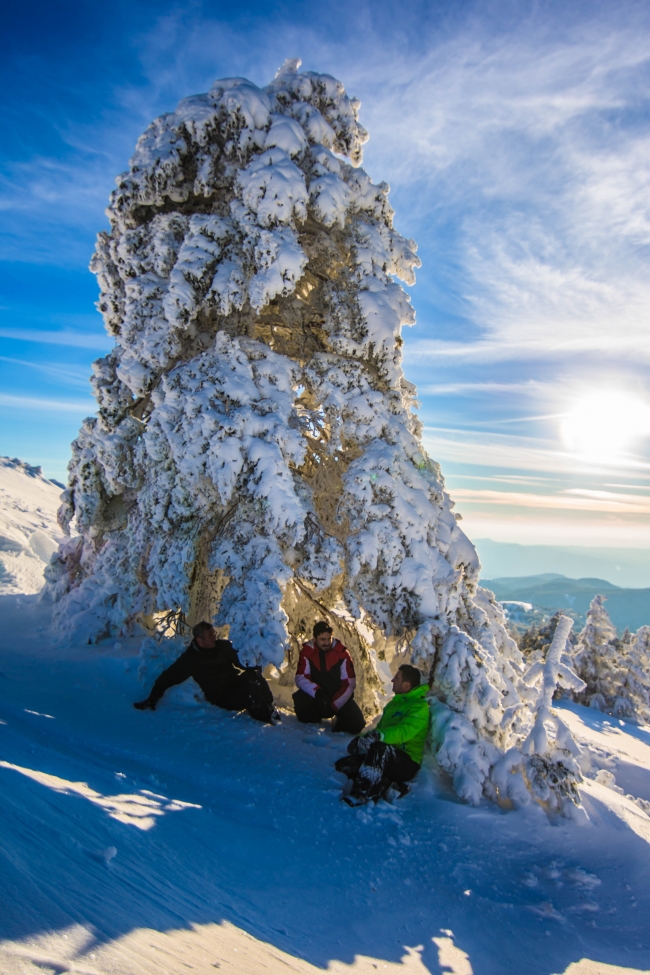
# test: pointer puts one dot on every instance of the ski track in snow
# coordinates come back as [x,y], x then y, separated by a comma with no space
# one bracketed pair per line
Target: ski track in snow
[192,839]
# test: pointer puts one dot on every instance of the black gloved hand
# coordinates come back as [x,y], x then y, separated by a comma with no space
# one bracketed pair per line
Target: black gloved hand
[146,704]
[365,742]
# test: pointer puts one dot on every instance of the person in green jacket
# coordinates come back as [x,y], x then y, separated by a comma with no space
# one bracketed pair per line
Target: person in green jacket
[390,754]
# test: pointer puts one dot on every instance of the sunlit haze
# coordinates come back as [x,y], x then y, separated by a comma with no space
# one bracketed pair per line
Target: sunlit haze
[606,424]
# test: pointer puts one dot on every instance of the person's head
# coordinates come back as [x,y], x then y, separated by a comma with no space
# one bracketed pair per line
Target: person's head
[204,635]
[406,678]
[323,635]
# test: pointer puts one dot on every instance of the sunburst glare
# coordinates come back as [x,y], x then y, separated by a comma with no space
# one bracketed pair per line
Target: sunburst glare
[606,424]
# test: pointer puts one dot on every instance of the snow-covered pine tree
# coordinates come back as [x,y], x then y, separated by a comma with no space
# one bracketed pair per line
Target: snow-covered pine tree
[636,672]
[616,671]
[256,458]
[598,657]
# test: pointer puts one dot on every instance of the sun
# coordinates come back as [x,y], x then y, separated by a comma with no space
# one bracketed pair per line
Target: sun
[604,425]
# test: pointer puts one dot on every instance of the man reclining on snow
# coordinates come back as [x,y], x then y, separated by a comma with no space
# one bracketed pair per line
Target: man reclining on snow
[326,682]
[391,754]
[225,681]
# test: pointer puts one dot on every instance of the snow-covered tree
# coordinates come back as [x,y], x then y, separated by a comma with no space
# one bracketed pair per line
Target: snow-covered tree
[546,763]
[598,661]
[256,456]
[636,672]
[616,671]
[536,640]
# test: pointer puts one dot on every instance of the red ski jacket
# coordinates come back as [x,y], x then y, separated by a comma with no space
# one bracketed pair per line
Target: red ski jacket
[332,670]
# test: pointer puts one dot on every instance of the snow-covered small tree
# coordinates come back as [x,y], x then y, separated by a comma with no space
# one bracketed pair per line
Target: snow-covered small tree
[536,640]
[599,661]
[546,763]
[616,670]
[256,456]
[635,661]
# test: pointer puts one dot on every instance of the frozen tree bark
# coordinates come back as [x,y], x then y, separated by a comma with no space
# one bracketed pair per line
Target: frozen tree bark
[256,456]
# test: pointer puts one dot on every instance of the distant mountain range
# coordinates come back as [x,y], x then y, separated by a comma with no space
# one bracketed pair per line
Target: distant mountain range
[625,567]
[551,591]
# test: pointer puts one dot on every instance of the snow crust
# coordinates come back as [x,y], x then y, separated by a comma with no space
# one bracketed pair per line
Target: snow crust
[256,456]
[29,531]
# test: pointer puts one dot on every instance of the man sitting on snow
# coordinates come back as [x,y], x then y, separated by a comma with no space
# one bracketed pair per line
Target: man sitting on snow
[391,754]
[326,682]
[225,681]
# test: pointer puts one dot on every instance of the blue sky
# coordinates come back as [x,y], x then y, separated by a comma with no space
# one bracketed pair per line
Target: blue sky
[515,139]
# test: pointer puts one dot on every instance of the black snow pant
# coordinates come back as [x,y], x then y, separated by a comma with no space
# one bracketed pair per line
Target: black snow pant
[349,718]
[248,691]
[373,766]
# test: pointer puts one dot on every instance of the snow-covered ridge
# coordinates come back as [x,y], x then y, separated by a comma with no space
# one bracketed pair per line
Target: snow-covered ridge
[29,532]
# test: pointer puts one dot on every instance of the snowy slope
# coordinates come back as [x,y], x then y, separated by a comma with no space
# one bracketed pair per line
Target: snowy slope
[29,532]
[192,840]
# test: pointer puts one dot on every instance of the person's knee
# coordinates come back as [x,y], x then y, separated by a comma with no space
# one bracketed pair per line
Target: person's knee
[261,694]
[306,718]
[376,751]
[305,710]
[357,724]
[353,746]
[350,718]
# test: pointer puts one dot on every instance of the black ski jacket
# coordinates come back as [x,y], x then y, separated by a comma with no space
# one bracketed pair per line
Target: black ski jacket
[213,670]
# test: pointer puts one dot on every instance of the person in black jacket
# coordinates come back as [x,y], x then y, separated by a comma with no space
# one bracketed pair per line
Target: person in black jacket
[217,670]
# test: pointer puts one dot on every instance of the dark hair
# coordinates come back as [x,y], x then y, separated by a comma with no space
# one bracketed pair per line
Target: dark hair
[200,629]
[322,627]
[411,674]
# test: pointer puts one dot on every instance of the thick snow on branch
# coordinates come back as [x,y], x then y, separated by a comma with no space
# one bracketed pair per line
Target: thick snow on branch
[256,455]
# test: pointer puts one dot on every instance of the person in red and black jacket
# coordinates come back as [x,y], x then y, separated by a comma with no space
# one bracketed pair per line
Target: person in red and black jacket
[326,681]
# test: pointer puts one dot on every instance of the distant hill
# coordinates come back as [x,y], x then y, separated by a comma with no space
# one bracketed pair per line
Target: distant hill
[625,567]
[551,591]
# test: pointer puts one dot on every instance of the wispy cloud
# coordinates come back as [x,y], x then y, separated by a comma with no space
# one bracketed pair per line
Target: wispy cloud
[79,340]
[515,453]
[518,479]
[69,375]
[527,143]
[541,526]
[530,387]
[82,407]
[602,501]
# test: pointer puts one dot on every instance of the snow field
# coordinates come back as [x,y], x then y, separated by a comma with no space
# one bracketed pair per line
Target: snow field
[151,842]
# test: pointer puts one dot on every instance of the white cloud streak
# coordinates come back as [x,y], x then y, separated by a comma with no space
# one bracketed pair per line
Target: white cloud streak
[69,375]
[519,454]
[530,388]
[50,337]
[82,407]
[595,501]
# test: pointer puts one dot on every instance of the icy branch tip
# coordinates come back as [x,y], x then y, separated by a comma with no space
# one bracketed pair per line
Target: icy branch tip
[290,66]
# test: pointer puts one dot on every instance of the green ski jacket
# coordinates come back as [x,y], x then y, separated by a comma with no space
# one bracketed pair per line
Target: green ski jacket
[405,722]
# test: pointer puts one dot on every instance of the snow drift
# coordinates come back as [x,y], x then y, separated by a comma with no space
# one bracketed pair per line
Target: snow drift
[256,457]
[29,532]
